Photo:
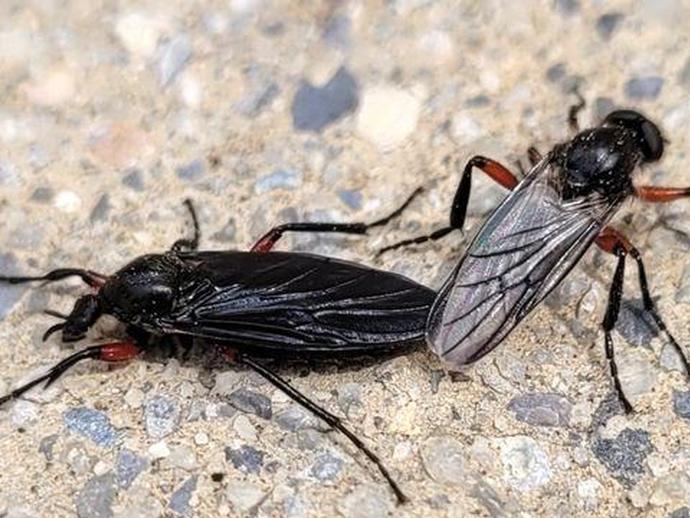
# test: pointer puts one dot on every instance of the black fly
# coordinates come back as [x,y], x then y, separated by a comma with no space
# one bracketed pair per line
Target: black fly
[279,305]
[539,233]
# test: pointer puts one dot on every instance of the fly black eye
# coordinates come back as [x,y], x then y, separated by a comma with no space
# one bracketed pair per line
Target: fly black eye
[649,137]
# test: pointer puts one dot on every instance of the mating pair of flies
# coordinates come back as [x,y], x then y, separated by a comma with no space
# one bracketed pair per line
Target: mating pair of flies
[287,305]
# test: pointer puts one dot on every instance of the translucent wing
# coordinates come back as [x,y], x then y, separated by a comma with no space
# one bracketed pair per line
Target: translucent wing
[284,304]
[525,248]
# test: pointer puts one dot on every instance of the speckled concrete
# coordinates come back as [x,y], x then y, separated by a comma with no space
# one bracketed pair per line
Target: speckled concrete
[113,112]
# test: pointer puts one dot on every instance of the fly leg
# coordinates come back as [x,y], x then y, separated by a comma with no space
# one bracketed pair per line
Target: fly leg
[661,194]
[192,243]
[114,352]
[575,110]
[613,242]
[332,420]
[93,279]
[458,211]
[269,239]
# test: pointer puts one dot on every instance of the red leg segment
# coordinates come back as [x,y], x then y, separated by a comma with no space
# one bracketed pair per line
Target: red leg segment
[661,194]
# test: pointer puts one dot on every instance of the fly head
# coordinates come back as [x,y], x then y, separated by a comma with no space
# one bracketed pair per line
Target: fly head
[646,133]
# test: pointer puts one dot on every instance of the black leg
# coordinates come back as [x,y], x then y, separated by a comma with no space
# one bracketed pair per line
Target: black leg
[119,351]
[268,240]
[574,111]
[193,242]
[93,279]
[321,413]
[533,155]
[609,323]
[458,211]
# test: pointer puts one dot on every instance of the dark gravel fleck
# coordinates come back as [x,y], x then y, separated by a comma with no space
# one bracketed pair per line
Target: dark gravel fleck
[92,424]
[47,444]
[254,103]
[644,88]
[9,294]
[567,7]
[326,467]
[555,72]
[635,324]
[161,415]
[681,512]
[351,198]
[191,171]
[337,32]
[314,108]
[478,101]
[684,74]
[179,501]
[43,194]
[681,404]
[609,407]
[245,458]
[173,57]
[603,106]
[251,402]
[625,455]
[435,379]
[128,466]
[101,210]
[96,498]
[607,23]
[228,232]
[134,179]
[278,179]
[541,409]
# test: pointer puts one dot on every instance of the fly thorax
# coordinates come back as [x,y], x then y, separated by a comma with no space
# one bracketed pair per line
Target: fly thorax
[600,160]
[144,289]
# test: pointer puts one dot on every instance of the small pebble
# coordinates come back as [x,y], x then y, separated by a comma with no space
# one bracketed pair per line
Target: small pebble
[681,404]
[159,450]
[245,458]
[182,457]
[644,88]
[191,171]
[244,428]
[337,32]
[683,293]
[525,464]
[128,466]
[351,198]
[243,496]
[180,500]
[161,415]
[43,194]
[134,397]
[279,179]
[134,179]
[367,501]
[67,201]
[201,439]
[46,446]
[138,33]
[295,418]
[624,456]
[684,74]
[314,108]
[259,99]
[567,7]
[96,498]
[349,394]
[101,209]
[251,402]
[387,116]
[541,409]
[174,56]
[444,459]
[555,72]
[326,467]
[92,424]
[607,23]
[635,324]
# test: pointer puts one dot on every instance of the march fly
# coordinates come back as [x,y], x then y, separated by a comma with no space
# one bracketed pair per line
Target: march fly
[540,231]
[258,304]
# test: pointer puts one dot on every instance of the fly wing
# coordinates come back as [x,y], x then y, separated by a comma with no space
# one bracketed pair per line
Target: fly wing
[525,248]
[284,303]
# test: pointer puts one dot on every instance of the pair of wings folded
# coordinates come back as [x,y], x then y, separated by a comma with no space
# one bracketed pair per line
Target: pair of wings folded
[523,250]
[287,304]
